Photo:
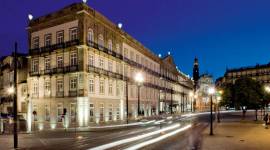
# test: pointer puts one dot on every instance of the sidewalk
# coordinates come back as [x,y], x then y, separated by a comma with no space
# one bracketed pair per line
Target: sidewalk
[248,135]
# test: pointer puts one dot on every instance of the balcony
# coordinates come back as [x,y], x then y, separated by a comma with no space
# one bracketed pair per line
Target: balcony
[59,94]
[50,48]
[47,71]
[72,93]
[34,73]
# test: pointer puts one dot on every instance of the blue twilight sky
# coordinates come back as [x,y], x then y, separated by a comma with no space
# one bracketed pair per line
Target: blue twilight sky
[221,33]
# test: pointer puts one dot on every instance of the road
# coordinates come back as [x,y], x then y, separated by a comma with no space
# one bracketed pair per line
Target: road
[169,133]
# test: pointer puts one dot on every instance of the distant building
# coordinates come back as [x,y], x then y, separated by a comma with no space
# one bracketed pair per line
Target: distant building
[205,82]
[7,81]
[258,72]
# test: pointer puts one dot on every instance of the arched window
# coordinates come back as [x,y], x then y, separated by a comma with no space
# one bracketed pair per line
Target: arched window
[110,45]
[100,41]
[90,37]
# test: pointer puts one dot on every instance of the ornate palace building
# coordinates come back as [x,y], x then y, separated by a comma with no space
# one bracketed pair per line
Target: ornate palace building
[258,72]
[81,66]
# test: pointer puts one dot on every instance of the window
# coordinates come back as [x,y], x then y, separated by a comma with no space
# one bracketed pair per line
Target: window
[117,88]
[35,65]
[73,112]
[91,86]
[47,63]
[101,86]
[110,112]
[36,42]
[101,112]
[117,67]
[110,88]
[101,62]
[110,66]
[126,53]
[73,84]
[110,46]
[137,58]
[59,85]
[47,113]
[117,48]
[90,37]
[60,37]
[125,70]
[131,55]
[59,112]
[118,113]
[60,62]
[100,41]
[48,40]
[73,59]
[91,112]
[47,88]
[35,89]
[91,60]
[73,34]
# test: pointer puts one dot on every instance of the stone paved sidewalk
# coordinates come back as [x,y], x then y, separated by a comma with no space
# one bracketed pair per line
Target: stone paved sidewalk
[247,135]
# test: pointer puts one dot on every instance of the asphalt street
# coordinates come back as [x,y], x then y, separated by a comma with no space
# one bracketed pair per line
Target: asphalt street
[182,132]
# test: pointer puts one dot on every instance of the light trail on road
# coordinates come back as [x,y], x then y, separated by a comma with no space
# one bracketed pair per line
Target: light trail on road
[120,142]
[141,145]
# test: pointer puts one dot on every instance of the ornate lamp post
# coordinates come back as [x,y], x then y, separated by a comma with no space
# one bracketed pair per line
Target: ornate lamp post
[139,79]
[211,91]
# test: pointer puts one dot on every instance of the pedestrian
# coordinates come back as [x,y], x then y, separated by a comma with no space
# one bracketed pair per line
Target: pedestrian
[266,120]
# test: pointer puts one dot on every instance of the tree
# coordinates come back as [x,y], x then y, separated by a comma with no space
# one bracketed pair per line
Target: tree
[245,94]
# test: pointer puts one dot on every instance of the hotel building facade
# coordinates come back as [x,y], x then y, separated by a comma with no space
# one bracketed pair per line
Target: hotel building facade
[81,66]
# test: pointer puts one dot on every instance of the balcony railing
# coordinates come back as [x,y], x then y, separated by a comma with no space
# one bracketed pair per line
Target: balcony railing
[50,48]
[72,93]
[59,94]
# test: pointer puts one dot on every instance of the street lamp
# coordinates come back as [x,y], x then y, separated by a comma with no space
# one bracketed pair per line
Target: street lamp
[211,91]
[267,89]
[11,90]
[139,79]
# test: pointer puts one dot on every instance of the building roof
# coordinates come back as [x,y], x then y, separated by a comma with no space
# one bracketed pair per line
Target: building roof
[258,66]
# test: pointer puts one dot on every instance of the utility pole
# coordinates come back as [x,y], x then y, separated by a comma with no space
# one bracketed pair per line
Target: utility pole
[15,98]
